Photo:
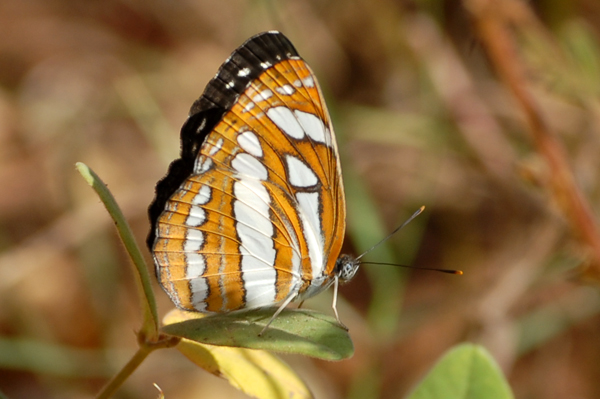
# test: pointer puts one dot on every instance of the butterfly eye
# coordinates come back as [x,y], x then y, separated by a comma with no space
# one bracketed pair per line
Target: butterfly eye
[349,269]
[346,267]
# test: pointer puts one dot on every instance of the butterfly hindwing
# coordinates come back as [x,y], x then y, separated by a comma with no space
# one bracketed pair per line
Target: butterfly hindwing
[254,211]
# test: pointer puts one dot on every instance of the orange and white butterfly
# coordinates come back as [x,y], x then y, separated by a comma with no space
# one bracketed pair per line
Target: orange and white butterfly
[253,213]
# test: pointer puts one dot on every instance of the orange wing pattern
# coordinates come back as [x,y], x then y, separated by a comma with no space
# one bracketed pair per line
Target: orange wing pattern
[253,213]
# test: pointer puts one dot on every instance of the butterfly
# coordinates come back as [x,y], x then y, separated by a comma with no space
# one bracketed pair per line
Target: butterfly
[253,213]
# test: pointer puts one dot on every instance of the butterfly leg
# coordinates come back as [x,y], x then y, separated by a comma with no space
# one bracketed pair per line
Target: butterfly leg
[334,304]
[287,301]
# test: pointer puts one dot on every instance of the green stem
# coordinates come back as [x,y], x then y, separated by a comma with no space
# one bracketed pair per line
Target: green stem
[118,380]
[163,341]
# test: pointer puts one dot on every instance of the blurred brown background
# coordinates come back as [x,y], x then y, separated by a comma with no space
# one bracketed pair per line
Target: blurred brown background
[421,117]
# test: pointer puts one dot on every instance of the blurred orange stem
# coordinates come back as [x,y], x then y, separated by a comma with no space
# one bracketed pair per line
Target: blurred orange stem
[492,21]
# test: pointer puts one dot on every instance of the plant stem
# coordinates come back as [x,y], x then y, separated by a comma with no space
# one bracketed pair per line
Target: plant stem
[125,372]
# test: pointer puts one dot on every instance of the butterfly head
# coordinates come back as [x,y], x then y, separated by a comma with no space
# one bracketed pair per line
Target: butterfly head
[346,267]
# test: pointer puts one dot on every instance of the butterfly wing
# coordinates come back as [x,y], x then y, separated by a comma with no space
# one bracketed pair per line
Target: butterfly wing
[253,211]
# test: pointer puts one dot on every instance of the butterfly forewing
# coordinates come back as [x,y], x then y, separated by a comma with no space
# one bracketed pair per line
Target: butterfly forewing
[261,215]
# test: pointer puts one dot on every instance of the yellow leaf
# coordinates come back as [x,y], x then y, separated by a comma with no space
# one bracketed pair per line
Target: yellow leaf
[258,373]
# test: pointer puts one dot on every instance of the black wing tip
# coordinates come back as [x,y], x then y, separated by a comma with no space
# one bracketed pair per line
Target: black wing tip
[245,64]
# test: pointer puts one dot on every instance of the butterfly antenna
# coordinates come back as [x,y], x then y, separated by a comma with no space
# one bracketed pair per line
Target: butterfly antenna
[449,271]
[414,215]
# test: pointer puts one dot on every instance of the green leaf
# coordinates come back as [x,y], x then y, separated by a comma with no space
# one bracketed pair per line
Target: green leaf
[466,372]
[257,373]
[149,327]
[302,332]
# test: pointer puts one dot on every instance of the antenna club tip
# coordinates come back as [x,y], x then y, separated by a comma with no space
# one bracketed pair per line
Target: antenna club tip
[422,208]
[459,272]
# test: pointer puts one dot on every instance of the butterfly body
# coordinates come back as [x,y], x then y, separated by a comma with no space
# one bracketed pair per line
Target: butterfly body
[253,213]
